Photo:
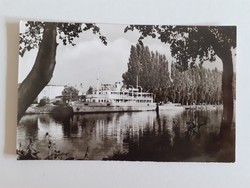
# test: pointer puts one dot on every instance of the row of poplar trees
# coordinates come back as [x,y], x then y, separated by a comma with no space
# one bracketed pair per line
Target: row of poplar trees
[168,83]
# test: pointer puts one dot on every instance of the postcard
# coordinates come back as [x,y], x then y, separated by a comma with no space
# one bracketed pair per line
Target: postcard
[162,93]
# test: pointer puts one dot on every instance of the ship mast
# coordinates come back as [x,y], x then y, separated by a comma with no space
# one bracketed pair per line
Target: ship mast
[137,82]
[97,87]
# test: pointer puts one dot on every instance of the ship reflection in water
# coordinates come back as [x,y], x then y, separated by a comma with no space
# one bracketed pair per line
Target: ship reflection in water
[135,136]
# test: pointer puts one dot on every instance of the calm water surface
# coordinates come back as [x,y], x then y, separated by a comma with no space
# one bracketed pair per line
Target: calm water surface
[135,136]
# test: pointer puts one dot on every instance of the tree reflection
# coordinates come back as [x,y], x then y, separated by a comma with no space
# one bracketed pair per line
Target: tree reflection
[66,122]
[29,124]
[194,141]
[143,136]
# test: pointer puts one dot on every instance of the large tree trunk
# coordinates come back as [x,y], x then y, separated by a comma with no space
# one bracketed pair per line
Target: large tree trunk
[227,135]
[225,54]
[42,71]
[227,89]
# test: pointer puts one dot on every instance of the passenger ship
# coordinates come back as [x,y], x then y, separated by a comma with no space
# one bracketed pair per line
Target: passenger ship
[115,98]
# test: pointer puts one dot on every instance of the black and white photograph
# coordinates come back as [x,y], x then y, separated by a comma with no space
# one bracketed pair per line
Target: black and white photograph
[112,92]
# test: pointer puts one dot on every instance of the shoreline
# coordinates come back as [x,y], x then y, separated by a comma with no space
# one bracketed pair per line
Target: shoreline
[50,109]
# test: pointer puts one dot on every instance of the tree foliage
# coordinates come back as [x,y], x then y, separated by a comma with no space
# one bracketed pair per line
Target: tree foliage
[43,101]
[148,69]
[90,90]
[70,93]
[191,42]
[185,87]
[31,38]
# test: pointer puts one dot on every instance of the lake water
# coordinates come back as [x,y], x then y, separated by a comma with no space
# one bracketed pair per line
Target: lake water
[136,136]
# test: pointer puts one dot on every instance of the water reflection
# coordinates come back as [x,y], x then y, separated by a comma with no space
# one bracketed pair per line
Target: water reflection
[138,136]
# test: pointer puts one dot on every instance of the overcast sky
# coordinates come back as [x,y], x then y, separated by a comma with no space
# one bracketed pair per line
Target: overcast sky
[91,59]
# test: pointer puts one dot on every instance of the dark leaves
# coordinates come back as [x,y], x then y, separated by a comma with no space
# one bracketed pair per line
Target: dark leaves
[31,38]
[187,43]
[67,32]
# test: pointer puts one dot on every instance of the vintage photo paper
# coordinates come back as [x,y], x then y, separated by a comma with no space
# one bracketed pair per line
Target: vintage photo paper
[89,91]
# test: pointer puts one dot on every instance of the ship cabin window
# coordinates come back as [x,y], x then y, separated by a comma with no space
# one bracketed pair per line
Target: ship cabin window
[100,93]
[108,104]
[86,104]
[93,100]
[102,100]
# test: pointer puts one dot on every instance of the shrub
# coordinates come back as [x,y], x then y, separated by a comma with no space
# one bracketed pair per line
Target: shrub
[43,102]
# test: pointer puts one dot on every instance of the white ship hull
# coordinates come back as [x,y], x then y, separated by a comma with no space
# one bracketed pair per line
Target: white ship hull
[83,107]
